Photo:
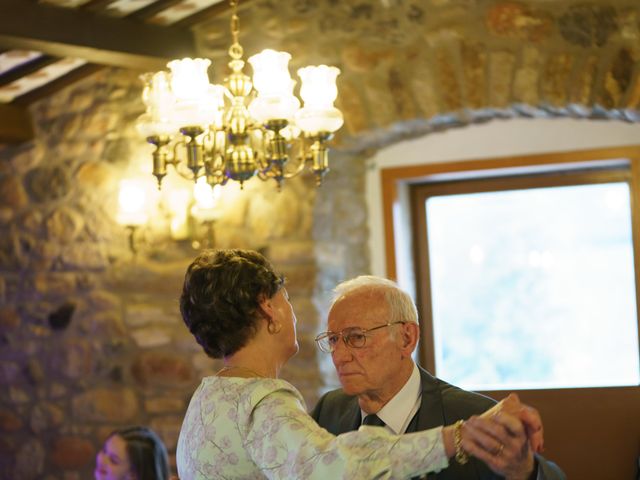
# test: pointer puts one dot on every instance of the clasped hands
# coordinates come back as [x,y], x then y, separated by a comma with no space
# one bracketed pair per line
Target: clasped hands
[505,438]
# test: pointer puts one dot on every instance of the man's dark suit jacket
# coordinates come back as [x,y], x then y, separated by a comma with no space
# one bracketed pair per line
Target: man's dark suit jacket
[442,404]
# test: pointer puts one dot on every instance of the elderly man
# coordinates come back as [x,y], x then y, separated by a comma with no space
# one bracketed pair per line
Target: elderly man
[372,333]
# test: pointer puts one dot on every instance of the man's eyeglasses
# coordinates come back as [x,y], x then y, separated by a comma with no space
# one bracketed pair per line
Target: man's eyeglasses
[354,337]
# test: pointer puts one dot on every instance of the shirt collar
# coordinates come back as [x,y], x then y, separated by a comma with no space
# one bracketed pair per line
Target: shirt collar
[398,412]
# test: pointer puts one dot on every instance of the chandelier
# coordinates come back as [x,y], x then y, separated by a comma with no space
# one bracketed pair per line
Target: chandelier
[244,128]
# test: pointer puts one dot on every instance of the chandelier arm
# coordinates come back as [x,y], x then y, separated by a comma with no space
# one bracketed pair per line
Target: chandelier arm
[302,161]
[264,175]
[174,158]
[262,160]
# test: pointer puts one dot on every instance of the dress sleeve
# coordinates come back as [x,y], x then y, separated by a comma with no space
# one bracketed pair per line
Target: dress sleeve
[285,442]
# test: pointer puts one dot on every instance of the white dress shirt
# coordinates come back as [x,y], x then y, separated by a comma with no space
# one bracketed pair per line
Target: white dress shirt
[398,412]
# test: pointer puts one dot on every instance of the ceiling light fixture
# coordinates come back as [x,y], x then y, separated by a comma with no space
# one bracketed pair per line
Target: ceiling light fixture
[242,129]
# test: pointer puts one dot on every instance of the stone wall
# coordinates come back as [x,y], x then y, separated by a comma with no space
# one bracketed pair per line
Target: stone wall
[91,338]
[91,335]
[414,67]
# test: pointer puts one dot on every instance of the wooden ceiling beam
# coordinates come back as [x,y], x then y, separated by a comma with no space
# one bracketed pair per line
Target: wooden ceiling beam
[26,68]
[57,84]
[96,5]
[203,15]
[153,9]
[15,124]
[65,32]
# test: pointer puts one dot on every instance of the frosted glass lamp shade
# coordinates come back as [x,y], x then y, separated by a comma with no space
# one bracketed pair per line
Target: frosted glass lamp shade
[132,203]
[192,90]
[271,73]
[318,88]
[189,78]
[319,91]
[274,85]
[160,102]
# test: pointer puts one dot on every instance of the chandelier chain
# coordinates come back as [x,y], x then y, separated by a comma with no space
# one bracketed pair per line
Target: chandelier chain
[235,50]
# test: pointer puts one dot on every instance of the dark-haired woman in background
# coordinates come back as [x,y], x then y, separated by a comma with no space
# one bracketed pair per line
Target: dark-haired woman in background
[246,423]
[133,453]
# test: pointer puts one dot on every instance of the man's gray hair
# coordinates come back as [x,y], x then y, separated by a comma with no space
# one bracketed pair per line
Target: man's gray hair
[401,306]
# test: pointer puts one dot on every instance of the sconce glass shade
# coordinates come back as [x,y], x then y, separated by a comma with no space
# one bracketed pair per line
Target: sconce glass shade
[319,91]
[206,200]
[160,102]
[272,81]
[132,204]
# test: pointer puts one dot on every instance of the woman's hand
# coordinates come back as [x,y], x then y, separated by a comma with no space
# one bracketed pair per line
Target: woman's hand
[529,417]
[505,437]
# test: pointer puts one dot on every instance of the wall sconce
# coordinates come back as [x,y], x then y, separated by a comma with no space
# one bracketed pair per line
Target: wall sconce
[132,211]
[183,212]
[205,213]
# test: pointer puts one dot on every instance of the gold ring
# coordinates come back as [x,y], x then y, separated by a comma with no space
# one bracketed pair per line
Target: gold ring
[498,452]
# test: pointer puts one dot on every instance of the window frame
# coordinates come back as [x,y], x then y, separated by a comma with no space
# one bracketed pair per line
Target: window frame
[572,416]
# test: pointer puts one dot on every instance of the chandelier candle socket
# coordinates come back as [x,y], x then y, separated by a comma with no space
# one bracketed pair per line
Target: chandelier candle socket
[245,128]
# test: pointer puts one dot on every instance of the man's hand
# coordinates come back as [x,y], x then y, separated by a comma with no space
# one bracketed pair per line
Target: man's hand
[500,440]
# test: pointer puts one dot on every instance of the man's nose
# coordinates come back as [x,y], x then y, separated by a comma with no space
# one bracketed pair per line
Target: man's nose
[341,353]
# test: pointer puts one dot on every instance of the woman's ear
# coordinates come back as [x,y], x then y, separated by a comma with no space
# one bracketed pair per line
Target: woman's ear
[265,307]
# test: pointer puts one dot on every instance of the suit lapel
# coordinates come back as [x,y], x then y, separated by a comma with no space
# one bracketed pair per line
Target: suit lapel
[431,412]
[350,418]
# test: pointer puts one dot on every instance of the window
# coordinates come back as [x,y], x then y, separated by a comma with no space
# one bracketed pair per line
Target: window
[527,279]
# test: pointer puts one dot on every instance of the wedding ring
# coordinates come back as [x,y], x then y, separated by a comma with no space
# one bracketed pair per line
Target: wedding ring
[498,451]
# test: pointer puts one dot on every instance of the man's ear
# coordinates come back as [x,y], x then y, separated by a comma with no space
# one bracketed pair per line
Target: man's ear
[410,336]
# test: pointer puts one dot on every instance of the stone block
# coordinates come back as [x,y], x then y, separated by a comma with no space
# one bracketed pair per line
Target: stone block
[168,428]
[382,112]
[49,183]
[9,317]
[9,373]
[352,105]
[501,67]
[149,337]
[272,215]
[555,79]
[45,416]
[422,88]
[9,420]
[161,368]
[474,66]
[53,284]
[85,255]
[30,460]
[581,88]
[95,176]
[587,25]
[106,405]
[143,314]
[398,82]
[301,279]
[518,21]
[64,224]
[12,193]
[291,252]
[617,80]
[164,405]
[74,358]
[633,98]
[72,452]
[446,57]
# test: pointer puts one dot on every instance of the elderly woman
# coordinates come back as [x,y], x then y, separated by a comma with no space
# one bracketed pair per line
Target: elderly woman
[133,453]
[244,422]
